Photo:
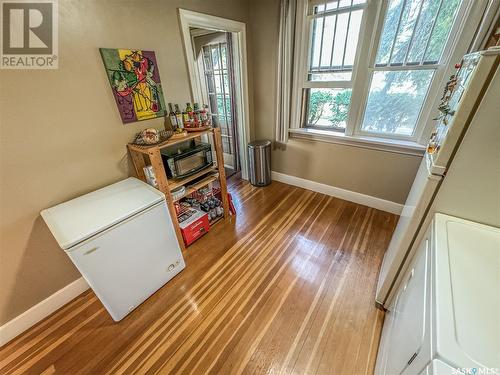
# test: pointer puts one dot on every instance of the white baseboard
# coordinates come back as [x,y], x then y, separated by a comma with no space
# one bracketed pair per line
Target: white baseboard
[352,196]
[41,310]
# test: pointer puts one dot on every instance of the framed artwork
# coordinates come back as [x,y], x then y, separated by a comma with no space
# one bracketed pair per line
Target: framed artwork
[135,81]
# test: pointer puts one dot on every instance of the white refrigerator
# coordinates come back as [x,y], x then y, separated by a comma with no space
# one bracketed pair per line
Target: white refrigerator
[122,240]
[473,78]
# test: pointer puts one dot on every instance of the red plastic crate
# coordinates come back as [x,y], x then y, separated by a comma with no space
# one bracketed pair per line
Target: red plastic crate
[194,227]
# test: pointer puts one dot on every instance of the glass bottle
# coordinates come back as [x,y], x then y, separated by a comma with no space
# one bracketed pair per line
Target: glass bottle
[188,118]
[178,115]
[207,115]
[171,115]
[196,115]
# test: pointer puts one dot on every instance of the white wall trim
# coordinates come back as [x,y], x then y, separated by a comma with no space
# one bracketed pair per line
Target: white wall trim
[41,310]
[188,19]
[348,195]
[380,144]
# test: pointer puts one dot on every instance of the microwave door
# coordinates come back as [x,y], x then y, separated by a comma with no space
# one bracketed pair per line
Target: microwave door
[191,164]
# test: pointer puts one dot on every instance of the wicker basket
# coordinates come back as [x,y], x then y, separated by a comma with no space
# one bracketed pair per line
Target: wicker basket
[164,135]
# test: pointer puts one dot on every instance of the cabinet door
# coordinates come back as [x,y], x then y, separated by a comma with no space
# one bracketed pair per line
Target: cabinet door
[410,317]
[383,349]
[440,368]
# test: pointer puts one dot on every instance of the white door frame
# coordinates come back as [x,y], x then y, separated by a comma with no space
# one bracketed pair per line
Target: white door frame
[190,19]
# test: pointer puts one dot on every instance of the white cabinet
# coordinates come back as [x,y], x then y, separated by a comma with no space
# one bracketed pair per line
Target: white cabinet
[407,321]
[438,367]
[445,316]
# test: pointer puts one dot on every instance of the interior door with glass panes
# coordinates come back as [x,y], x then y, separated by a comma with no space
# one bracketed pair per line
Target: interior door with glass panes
[215,62]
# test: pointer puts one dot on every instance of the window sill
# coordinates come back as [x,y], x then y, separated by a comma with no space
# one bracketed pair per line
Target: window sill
[382,144]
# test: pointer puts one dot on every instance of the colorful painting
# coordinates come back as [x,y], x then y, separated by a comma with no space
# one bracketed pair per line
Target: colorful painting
[135,81]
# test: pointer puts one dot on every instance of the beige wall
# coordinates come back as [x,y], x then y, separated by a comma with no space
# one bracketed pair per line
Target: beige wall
[381,174]
[61,134]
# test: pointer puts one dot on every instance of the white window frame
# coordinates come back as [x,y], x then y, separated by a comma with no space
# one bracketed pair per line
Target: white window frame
[303,57]
[467,20]
[436,82]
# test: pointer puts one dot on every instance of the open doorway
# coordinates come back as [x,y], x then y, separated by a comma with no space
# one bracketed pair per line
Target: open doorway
[214,58]
[215,50]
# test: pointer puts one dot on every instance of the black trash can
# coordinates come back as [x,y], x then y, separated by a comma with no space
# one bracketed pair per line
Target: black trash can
[259,162]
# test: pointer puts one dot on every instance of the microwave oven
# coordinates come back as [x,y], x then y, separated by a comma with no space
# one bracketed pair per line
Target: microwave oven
[187,161]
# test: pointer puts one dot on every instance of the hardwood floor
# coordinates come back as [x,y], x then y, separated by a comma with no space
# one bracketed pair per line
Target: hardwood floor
[287,286]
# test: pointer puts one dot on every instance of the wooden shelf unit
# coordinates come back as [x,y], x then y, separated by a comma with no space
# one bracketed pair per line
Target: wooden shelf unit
[198,185]
[150,155]
[174,184]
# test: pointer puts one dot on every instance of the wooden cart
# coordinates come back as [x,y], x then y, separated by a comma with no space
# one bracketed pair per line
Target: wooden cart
[150,155]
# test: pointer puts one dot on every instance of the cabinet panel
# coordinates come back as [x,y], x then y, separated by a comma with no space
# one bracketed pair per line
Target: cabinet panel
[407,321]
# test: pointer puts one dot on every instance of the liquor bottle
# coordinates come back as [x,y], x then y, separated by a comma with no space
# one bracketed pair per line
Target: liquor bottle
[185,119]
[189,115]
[203,115]
[178,116]
[171,115]
[208,115]
[196,115]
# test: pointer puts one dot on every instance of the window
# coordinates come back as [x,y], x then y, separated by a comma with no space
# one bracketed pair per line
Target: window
[335,30]
[373,80]
[413,38]
[218,86]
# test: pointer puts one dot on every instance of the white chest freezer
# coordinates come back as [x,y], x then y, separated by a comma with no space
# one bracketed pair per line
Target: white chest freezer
[122,240]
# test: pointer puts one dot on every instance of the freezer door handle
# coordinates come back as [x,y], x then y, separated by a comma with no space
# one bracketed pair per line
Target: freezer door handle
[91,250]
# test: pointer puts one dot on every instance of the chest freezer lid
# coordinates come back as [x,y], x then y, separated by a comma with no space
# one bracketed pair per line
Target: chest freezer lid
[467,297]
[76,220]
